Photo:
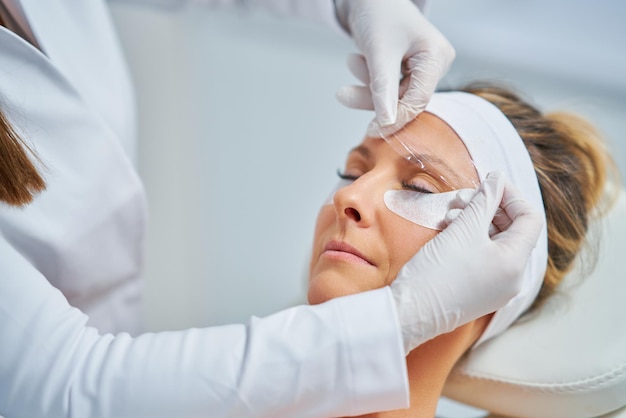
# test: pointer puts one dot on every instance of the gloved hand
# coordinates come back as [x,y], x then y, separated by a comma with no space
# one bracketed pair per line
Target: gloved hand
[395,38]
[501,220]
[463,273]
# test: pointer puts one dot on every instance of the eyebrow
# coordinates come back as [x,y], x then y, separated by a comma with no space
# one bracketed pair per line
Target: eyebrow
[437,162]
[363,150]
[430,160]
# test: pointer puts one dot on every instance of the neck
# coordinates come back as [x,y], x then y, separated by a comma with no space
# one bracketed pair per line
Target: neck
[428,367]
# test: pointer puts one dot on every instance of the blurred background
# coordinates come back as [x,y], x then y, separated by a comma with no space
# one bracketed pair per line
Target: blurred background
[241,136]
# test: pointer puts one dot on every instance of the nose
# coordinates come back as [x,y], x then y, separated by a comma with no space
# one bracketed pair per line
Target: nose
[353,214]
[356,202]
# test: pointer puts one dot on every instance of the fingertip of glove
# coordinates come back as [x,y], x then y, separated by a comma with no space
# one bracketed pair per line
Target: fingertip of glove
[494,183]
[452,215]
[463,197]
[342,95]
[494,175]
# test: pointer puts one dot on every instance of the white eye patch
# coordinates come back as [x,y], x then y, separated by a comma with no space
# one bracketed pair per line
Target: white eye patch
[426,209]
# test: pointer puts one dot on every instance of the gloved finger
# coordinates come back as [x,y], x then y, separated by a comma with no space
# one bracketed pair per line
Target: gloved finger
[358,67]
[454,213]
[451,215]
[356,97]
[424,74]
[404,85]
[493,230]
[501,221]
[422,71]
[511,204]
[415,91]
[384,73]
[456,206]
[526,223]
[482,208]
[462,198]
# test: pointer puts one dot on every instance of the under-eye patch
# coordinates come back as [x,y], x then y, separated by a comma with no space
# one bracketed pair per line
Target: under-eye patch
[426,209]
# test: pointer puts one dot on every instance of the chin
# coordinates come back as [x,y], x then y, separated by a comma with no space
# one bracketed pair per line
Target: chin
[323,288]
[315,296]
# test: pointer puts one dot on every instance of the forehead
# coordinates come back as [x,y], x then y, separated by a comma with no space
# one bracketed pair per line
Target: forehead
[428,135]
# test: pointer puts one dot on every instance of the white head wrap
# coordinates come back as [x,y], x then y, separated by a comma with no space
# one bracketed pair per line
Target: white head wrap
[494,144]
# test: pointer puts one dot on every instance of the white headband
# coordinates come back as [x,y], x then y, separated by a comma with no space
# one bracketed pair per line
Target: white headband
[494,144]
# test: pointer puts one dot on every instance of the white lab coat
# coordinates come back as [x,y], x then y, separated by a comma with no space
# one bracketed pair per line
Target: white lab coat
[84,235]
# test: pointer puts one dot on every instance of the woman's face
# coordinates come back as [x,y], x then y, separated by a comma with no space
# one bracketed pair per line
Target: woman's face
[359,244]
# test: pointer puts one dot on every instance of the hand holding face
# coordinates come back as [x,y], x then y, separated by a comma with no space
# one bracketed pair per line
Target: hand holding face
[464,273]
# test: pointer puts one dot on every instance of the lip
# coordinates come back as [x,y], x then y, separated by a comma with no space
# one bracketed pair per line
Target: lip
[345,251]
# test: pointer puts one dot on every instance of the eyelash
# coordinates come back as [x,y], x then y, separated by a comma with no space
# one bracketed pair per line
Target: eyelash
[344,176]
[415,188]
[405,185]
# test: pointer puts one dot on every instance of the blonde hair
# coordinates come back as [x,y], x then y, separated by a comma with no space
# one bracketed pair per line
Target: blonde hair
[19,178]
[572,164]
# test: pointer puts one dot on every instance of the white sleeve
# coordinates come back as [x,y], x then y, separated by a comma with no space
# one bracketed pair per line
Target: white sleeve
[341,358]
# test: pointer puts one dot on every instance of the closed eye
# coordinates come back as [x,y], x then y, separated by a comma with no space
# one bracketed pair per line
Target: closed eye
[345,176]
[415,188]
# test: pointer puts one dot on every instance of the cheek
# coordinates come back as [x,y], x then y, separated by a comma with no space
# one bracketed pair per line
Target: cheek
[325,220]
[404,240]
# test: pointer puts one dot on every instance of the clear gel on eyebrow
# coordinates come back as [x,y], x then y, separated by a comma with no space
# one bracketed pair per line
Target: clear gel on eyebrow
[402,146]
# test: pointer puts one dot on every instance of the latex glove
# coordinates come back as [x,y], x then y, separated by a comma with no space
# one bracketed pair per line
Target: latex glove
[501,220]
[395,38]
[463,273]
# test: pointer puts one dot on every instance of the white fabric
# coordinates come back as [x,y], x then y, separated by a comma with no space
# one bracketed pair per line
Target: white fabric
[494,145]
[303,362]
[84,235]
[75,105]
[567,360]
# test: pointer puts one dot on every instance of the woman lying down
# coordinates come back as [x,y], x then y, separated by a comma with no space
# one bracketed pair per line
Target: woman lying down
[392,198]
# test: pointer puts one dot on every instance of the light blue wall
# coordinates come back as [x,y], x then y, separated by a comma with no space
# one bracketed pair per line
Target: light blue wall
[240,140]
